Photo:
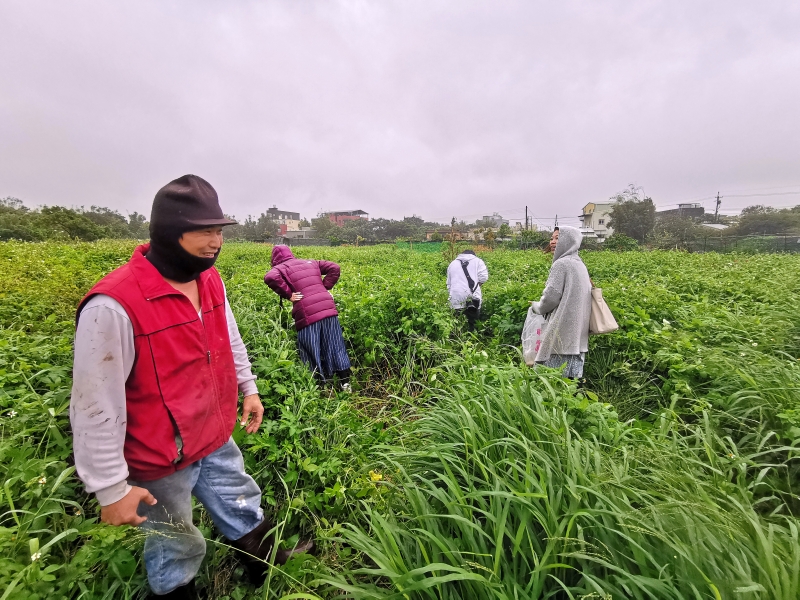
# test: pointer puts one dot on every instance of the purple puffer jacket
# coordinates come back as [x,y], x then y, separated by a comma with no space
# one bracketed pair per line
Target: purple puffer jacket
[289,274]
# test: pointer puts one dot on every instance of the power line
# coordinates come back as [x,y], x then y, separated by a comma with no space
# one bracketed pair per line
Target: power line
[762,195]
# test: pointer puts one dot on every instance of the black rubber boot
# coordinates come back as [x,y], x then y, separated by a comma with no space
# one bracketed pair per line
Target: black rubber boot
[184,592]
[255,551]
[343,380]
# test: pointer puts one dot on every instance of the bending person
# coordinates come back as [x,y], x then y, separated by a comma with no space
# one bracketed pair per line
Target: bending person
[465,275]
[307,284]
[567,298]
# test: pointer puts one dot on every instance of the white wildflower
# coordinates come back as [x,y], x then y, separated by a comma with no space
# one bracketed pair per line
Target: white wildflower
[36,556]
[42,480]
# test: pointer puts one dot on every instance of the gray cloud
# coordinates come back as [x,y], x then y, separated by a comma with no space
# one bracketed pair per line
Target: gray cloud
[428,107]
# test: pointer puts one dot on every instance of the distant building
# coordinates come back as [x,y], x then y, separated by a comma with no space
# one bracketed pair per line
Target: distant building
[594,220]
[497,219]
[304,233]
[687,209]
[289,221]
[340,217]
[717,226]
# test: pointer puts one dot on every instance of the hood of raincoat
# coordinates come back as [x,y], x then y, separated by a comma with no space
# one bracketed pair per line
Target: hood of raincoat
[569,241]
[281,254]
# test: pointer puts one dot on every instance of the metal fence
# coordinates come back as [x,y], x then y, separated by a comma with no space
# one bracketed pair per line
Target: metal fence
[752,244]
[746,243]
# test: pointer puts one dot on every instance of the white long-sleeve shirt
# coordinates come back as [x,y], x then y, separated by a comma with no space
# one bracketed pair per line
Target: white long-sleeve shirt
[457,282]
[104,357]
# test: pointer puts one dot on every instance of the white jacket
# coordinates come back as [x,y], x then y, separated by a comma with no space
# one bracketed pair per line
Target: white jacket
[457,282]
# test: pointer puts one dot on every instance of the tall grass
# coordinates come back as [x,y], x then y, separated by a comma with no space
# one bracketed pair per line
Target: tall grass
[512,491]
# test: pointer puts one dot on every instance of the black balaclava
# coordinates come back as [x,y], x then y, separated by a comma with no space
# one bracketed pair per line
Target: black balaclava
[186,204]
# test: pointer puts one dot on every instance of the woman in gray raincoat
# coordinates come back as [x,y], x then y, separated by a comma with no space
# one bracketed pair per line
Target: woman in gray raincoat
[567,299]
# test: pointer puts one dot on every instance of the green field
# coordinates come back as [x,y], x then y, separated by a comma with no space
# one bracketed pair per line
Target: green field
[453,471]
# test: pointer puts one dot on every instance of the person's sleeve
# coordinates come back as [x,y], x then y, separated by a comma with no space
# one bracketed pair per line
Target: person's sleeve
[276,283]
[483,272]
[244,372]
[330,272]
[449,276]
[104,357]
[551,296]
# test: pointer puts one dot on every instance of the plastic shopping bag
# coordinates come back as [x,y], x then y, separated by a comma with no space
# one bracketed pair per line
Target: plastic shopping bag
[532,335]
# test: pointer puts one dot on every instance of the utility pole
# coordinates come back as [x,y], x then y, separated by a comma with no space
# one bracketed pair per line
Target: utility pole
[526,218]
[556,225]
[716,210]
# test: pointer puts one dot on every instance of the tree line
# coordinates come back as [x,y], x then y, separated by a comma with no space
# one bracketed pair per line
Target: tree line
[633,215]
[633,218]
[59,223]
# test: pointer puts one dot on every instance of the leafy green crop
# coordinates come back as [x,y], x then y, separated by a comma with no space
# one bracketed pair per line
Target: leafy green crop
[452,471]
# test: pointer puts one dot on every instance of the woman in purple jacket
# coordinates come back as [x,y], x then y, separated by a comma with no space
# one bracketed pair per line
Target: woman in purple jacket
[307,284]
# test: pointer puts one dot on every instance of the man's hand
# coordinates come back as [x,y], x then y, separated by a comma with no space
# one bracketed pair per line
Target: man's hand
[296,297]
[252,409]
[123,512]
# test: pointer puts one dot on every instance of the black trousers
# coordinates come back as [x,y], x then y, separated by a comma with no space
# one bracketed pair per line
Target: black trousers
[472,312]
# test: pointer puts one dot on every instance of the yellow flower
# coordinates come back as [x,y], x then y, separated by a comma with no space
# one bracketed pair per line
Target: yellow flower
[375,476]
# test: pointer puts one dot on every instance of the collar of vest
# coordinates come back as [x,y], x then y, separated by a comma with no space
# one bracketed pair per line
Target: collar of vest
[150,280]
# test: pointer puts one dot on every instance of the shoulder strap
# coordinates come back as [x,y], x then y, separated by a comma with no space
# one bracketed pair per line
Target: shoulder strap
[285,280]
[472,285]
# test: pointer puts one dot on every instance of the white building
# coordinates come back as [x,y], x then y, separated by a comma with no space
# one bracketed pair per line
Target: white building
[594,220]
[291,220]
[303,233]
[496,218]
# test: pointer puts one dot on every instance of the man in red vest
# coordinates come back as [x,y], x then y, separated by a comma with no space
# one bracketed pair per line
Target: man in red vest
[159,364]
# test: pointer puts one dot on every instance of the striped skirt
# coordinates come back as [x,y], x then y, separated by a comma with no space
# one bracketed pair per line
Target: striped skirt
[571,364]
[321,347]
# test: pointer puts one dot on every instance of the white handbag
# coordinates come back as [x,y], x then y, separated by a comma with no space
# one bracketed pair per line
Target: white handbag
[601,319]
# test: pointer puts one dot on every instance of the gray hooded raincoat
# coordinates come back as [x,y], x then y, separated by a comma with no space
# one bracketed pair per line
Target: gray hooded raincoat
[567,297]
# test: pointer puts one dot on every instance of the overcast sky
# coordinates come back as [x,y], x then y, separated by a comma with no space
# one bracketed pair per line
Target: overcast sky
[434,108]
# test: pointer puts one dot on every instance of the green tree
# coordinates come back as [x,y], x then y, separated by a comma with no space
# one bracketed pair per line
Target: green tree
[10,204]
[138,227]
[16,221]
[633,214]
[531,238]
[761,219]
[620,242]
[64,223]
[504,232]
[253,230]
[673,231]
[322,226]
[354,231]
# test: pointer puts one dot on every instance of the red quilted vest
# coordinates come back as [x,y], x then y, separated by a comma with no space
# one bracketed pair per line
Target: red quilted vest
[183,380]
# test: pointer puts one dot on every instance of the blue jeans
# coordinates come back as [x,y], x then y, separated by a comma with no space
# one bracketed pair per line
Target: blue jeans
[174,547]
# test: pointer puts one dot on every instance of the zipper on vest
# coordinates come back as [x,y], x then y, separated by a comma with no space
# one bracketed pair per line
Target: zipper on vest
[208,353]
